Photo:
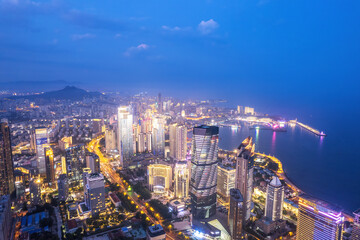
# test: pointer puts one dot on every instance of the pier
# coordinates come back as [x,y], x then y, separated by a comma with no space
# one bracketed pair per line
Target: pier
[310,129]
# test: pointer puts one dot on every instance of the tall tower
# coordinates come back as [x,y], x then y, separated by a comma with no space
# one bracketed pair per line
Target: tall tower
[204,171]
[178,141]
[75,162]
[244,174]
[274,200]
[182,178]
[158,136]
[7,183]
[355,234]
[235,216]
[50,170]
[94,191]
[225,182]
[318,220]
[42,141]
[125,134]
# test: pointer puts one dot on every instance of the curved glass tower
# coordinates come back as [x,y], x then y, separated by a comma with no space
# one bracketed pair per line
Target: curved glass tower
[204,171]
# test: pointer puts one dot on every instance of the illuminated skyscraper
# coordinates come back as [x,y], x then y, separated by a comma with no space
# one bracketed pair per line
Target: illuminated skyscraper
[204,171]
[35,191]
[125,134]
[50,167]
[244,174]
[355,234]
[274,200]
[110,140]
[318,220]
[42,141]
[225,181]
[141,142]
[178,141]
[75,162]
[63,187]
[160,104]
[182,178]
[249,110]
[93,162]
[94,191]
[159,177]
[7,183]
[235,216]
[158,136]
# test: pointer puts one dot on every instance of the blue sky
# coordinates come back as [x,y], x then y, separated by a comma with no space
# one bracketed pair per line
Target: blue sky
[282,53]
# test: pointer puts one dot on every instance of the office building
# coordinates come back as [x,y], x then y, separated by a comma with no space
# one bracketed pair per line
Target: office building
[158,136]
[318,220]
[204,171]
[178,141]
[35,191]
[93,162]
[141,142]
[155,232]
[7,183]
[42,141]
[75,162]
[63,187]
[181,179]
[159,177]
[94,191]
[225,182]
[160,103]
[125,135]
[235,215]
[244,174]
[249,111]
[274,200]
[355,234]
[50,167]
[240,109]
[110,140]
[5,217]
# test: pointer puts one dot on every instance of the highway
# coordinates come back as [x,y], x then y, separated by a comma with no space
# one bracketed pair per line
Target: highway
[109,172]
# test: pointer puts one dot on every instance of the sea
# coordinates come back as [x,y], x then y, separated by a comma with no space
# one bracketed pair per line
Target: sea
[327,168]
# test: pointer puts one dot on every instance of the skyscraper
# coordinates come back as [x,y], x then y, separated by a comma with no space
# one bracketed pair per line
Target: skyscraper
[160,104]
[125,134]
[94,191]
[63,187]
[35,191]
[225,182]
[7,183]
[235,216]
[158,136]
[159,177]
[318,220]
[42,141]
[204,171]
[178,141]
[110,140]
[274,200]
[93,162]
[355,234]
[182,178]
[244,174]
[49,163]
[75,162]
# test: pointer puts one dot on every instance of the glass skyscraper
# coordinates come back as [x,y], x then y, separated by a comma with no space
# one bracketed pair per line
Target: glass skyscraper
[204,171]
[125,134]
[274,200]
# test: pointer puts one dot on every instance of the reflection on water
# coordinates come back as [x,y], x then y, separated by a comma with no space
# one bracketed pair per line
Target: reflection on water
[273,140]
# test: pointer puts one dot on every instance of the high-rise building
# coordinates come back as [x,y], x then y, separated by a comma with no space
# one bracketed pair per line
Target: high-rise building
[42,141]
[178,141]
[94,191]
[249,110]
[355,234]
[50,167]
[63,187]
[7,183]
[225,182]
[240,109]
[5,217]
[125,135]
[318,220]
[244,174]
[274,200]
[204,171]
[35,191]
[141,142]
[181,179]
[159,177]
[235,216]
[148,144]
[160,104]
[65,143]
[75,162]
[158,136]
[93,162]
[110,140]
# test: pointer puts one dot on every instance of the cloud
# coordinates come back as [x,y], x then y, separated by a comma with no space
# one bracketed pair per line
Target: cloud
[76,37]
[141,47]
[175,29]
[118,35]
[206,27]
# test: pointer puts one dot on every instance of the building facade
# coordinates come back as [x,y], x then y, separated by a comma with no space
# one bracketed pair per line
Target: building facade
[93,162]
[355,234]
[178,141]
[75,162]
[159,177]
[125,135]
[7,182]
[318,220]
[42,142]
[204,171]
[225,182]
[181,179]
[235,215]
[50,167]
[63,187]
[94,191]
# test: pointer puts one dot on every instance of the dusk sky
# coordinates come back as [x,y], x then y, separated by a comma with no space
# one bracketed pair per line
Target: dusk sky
[265,52]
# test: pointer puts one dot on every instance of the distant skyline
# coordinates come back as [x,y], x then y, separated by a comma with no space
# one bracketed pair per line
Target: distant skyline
[272,54]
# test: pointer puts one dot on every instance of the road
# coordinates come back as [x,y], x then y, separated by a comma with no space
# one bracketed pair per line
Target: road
[108,171]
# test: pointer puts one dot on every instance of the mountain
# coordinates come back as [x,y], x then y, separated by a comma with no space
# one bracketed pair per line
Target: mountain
[68,93]
[35,86]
